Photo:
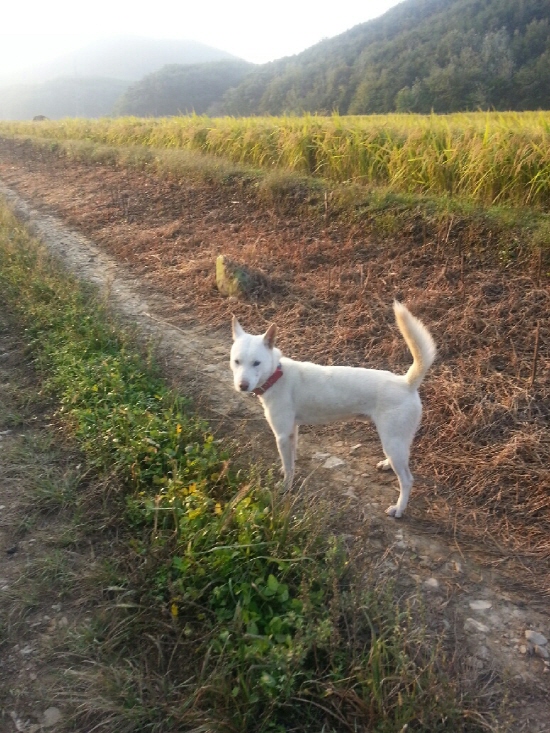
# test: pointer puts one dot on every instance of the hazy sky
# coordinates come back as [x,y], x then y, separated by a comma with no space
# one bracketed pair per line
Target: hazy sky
[256,30]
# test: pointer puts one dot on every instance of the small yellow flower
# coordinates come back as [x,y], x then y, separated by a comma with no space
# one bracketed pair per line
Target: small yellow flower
[174,610]
[218,508]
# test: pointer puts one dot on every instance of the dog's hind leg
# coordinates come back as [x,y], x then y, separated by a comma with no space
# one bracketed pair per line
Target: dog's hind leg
[400,465]
[396,449]
[397,429]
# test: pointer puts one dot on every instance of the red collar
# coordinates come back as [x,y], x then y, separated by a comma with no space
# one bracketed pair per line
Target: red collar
[277,374]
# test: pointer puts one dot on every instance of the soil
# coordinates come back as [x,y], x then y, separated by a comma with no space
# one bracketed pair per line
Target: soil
[150,244]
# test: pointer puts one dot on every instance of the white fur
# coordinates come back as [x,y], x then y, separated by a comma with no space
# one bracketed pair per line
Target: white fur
[309,394]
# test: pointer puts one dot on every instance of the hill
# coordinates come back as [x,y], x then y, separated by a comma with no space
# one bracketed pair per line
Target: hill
[128,58]
[88,82]
[178,89]
[421,56]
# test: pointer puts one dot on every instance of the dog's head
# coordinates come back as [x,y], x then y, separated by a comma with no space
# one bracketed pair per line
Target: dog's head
[253,358]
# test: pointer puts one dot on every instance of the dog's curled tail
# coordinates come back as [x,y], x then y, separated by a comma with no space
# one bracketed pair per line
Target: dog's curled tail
[419,341]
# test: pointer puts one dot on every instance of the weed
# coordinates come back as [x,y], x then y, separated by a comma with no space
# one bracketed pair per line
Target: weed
[228,611]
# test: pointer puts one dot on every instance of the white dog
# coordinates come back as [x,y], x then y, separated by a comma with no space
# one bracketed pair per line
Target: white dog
[297,393]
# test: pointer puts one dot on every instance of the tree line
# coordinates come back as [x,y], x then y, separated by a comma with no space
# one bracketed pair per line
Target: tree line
[422,56]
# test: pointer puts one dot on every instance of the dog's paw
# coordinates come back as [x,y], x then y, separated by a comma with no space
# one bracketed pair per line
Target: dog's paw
[384,465]
[392,511]
[283,485]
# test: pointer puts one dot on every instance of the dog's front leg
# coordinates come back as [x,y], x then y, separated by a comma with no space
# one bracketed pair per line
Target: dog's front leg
[281,419]
[294,443]
[286,445]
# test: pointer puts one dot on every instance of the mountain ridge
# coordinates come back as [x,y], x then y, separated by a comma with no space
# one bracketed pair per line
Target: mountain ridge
[90,81]
[421,56]
[127,58]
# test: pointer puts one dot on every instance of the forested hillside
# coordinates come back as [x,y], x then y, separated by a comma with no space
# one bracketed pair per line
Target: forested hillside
[423,55]
[180,89]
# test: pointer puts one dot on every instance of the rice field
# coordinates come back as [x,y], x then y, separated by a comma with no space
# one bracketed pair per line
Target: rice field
[487,158]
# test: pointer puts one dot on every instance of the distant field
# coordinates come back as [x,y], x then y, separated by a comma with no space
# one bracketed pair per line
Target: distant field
[488,158]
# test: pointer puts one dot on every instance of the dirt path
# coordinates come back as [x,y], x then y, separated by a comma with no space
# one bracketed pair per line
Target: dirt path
[466,597]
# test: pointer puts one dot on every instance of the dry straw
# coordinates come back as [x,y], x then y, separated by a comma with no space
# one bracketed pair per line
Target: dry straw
[487,157]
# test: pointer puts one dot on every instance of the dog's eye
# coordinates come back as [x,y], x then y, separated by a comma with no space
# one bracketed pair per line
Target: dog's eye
[256,364]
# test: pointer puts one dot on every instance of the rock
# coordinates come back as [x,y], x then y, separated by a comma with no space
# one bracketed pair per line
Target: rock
[472,625]
[483,653]
[480,605]
[541,651]
[236,280]
[535,637]
[431,584]
[355,448]
[51,717]
[320,456]
[400,542]
[231,279]
[333,462]
[475,664]
[350,493]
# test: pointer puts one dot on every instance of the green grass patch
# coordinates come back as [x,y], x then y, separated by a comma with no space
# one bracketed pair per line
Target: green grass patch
[232,611]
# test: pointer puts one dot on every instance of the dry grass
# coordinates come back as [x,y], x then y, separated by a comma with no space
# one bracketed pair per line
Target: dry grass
[484,446]
[484,157]
[483,451]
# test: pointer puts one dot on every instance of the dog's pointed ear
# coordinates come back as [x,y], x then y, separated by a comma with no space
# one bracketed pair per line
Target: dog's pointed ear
[236,328]
[269,335]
